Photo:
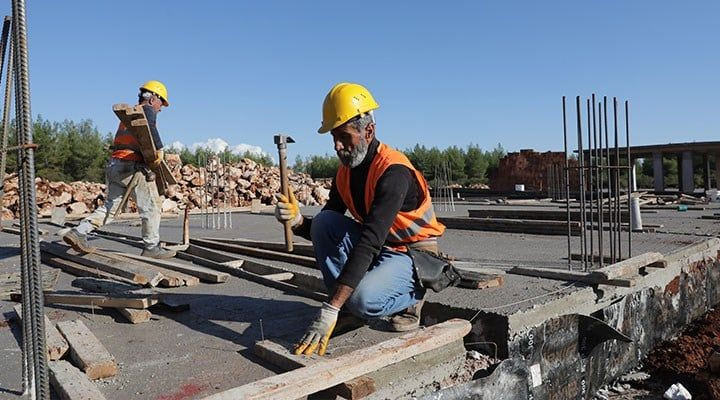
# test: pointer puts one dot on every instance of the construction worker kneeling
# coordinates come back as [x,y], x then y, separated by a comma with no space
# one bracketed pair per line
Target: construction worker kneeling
[367,261]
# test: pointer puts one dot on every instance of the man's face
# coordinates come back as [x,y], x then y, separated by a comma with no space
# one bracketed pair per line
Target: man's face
[350,144]
[156,103]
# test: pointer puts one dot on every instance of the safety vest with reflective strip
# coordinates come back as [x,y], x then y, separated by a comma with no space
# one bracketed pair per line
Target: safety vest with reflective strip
[125,145]
[409,226]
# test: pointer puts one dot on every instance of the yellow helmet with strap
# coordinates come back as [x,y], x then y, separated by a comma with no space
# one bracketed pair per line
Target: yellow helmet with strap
[344,102]
[158,88]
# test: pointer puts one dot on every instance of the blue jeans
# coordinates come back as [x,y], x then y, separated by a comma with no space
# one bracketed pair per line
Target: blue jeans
[389,285]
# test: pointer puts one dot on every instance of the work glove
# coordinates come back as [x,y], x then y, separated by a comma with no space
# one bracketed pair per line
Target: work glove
[318,334]
[288,210]
[159,156]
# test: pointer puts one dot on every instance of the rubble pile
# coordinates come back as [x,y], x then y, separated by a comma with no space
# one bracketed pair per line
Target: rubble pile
[244,182]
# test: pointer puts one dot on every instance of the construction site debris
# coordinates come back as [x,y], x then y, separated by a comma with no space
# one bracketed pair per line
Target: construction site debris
[246,181]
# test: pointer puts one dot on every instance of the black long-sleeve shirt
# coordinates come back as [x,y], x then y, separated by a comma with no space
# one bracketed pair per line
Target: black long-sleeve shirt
[397,190]
[151,117]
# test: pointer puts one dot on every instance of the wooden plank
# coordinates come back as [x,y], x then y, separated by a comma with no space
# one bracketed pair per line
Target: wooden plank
[548,215]
[71,384]
[299,279]
[135,316]
[99,300]
[98,260]
[76,269]
[572,276]
[254,277]
[537,227]
[86,350]
[259,253]
[205,274]
[54,342]
[630,266]
[330,372]
[298,248]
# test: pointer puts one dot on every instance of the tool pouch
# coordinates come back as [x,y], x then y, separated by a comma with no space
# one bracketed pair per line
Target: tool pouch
[433,271]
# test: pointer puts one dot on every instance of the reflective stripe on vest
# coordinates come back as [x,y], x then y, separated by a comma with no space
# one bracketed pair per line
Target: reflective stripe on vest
[125,145]
[408,226]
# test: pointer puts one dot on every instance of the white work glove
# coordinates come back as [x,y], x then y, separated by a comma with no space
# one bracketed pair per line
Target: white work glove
[318,334]
[288,210]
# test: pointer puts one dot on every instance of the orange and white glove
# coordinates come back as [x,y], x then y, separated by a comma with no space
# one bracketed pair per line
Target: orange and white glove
[318,333]
[288,210]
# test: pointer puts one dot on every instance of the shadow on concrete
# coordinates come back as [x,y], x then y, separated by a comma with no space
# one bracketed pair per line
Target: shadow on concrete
[9,251]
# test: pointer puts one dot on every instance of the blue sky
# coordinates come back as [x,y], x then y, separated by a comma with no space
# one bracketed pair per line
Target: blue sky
[444,72]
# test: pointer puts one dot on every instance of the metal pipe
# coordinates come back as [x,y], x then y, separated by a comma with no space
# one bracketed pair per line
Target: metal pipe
[567,183]
[590,183]
[601,196]
[617,181]
[26,175]
[630,183]
[581,174]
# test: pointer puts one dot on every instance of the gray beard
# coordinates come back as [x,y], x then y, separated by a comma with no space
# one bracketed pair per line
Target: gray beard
[353,158]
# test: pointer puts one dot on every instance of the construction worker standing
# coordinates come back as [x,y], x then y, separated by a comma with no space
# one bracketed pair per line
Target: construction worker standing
[364,259]
[126,161]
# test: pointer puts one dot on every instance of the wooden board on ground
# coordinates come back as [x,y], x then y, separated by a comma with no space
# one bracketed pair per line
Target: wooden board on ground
[86,350]
[205,274]
[281,356]
[135,316]
[115,301]
[548,215]
[54,342]
[574,276]
[536,227]
[330,372]
[76,269]
[298,248]
[97,285]
[71,384]
[630,266]
[255,252]
[134,272]
[10,282]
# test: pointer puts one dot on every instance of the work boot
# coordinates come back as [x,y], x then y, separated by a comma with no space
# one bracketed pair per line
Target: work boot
[77,241]
[158,252]
[408,319]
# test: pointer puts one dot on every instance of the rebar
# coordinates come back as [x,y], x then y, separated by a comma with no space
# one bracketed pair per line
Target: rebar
[581,176]
[617,183]
[29,242]
[601,191]
[630,175]
[590,183]
[567,182]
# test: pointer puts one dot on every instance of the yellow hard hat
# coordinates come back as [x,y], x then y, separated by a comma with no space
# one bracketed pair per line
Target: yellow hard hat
[344,102]
[158,88]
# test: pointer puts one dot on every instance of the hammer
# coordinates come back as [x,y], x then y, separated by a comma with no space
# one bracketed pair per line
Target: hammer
[281,141]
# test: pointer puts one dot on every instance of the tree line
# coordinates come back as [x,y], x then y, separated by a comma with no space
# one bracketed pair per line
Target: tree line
[464,166]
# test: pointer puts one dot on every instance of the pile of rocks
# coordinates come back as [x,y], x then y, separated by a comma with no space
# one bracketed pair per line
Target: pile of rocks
[244,182]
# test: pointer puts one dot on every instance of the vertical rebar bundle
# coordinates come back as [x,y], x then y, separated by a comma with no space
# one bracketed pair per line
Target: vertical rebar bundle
[35,355]
[598,192]
[443,198]
[214,207]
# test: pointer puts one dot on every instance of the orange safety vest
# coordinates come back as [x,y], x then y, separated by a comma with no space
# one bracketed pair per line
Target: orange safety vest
[125,145]
[409,226]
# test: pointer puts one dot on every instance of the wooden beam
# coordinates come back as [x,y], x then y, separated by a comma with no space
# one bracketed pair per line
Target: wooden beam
[135,316]
[54,342]
[536,227]
[298,248]
[282,276]
[630,266]
[100,301]
[259,253]
[76,269]
[97,285]
[71,384]
[86,350]
[205,274]
[573,276]
[547,215]
[99,260]
[330,372]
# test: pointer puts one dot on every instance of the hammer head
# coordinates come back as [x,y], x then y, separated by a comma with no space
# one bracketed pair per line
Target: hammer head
[282,140]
